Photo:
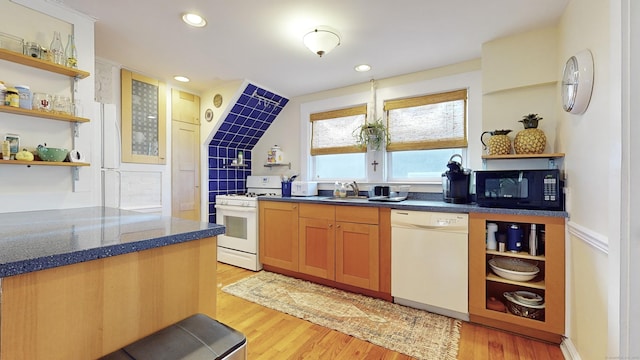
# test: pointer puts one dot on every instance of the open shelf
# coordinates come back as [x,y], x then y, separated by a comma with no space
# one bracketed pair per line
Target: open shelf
[520,255]
[539,284]
[525,156]
[42,114]
[43,163]
[41,64]
[278,164]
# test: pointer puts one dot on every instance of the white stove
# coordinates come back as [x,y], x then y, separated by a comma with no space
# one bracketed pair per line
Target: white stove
[239,214]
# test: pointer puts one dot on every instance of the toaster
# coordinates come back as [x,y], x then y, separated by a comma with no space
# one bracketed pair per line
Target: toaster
[304,188]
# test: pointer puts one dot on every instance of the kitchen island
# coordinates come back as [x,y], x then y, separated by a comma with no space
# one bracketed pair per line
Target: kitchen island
[80,283]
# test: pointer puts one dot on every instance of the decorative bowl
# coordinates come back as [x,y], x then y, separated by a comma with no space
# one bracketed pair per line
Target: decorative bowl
[527,297]
[513,269]
[528,311]
[52,154]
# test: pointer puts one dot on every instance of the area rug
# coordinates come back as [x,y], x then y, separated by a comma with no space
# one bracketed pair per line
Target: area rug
[410,331]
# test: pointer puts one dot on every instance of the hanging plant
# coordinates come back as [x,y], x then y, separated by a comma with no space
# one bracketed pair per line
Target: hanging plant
[372,135]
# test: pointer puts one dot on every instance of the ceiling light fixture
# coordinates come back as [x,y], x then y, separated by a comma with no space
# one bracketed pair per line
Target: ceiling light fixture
[321,41]
[181,78]
[194,19]
[362,68]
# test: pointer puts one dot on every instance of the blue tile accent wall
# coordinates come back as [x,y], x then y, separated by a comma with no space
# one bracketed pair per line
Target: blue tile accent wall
[247,121]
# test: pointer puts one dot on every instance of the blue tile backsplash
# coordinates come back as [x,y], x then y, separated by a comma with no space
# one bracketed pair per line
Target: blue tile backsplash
[247,121]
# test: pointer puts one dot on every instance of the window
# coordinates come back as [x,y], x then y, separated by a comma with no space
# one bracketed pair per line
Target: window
[333,147]
[424,132]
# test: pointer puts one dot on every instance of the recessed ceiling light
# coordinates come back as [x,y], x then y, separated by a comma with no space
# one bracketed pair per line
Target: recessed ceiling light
[362,68]
[194,19]
[181,78]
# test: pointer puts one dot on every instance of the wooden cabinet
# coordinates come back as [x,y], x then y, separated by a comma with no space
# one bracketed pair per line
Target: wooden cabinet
[341,246]
[549,283]
[317,240]
[278,224]
[358,247]
[52,68]
[340,243]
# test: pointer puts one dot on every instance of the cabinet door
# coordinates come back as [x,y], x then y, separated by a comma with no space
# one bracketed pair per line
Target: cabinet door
[278,222]
[357,254]
[185,107]
[317,247]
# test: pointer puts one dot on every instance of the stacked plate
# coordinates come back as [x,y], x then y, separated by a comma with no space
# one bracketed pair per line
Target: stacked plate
[514,269]
[525,304]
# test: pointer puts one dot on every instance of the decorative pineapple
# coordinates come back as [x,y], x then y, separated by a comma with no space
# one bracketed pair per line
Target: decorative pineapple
[531,140]
[499,143]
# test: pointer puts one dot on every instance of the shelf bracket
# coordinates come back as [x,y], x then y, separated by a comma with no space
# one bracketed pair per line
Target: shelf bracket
[552,163]
[76,173]
[75,129]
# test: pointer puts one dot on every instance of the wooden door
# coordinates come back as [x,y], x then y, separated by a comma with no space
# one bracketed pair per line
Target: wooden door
[317,247]
[357,254]
[185,155]
[278,234]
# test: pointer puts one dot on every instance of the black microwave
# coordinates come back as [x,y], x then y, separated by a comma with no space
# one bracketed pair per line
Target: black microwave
[520,189]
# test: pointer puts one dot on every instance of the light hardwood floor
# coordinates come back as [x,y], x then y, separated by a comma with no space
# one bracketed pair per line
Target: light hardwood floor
[275,335]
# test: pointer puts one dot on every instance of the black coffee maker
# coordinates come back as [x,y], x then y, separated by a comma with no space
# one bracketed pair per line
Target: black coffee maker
[456,182]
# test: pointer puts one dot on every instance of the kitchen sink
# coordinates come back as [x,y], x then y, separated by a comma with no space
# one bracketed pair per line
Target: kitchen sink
[347,199]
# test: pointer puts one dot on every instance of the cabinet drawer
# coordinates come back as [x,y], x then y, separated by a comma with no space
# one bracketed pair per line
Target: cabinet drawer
[357,214]
[317,211]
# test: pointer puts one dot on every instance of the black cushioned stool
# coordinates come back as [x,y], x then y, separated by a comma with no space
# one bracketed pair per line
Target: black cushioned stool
[197,337]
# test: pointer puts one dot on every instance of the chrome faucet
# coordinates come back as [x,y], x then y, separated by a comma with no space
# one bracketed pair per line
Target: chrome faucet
[356,190]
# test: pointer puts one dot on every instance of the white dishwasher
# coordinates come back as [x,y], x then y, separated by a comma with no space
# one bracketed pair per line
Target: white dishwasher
[429,261]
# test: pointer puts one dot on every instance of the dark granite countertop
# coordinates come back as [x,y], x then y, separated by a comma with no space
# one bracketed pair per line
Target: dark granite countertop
[38,240]
[425,202]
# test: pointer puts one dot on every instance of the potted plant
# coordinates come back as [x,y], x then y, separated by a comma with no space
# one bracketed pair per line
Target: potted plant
[372,135]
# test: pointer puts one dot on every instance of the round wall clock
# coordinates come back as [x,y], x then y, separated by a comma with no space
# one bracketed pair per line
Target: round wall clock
[208,115]
[577,82]
[217,100]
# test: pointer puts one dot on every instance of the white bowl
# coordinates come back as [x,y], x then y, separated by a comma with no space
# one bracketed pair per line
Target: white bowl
[513,269]
[527,298]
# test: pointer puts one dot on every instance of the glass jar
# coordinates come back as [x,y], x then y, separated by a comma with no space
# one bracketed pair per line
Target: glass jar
[11,98]
[24,93]
[32,49]
[42,102]
[61,105]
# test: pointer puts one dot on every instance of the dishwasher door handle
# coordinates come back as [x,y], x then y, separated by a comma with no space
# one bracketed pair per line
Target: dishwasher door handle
[440,228]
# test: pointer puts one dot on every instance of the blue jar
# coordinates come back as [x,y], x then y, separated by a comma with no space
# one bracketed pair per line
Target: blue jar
[514,238]
[24,93]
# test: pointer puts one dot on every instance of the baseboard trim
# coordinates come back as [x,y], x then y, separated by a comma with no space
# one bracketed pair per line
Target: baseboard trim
[569,350]
[594,239]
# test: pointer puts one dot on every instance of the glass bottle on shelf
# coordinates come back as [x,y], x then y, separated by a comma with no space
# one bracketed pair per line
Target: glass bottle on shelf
[56,49]
[71,53]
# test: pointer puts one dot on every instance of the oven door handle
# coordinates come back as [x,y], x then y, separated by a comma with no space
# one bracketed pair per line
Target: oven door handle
[236,208]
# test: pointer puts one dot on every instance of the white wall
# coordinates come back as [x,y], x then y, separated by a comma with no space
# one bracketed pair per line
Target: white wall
[49,187]
[591,142]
